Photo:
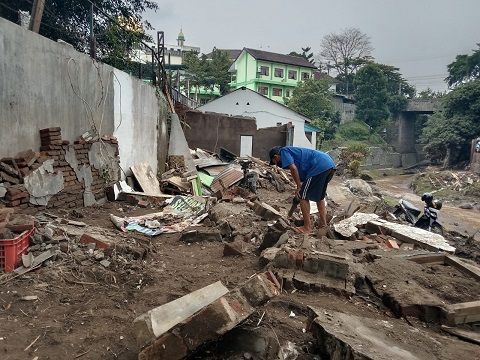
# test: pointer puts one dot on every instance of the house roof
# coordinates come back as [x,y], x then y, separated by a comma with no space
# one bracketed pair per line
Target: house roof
[307,120]
[280,58]
[232,53]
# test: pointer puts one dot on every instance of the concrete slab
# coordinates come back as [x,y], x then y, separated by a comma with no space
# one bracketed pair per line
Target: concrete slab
[342,336]
[411,234]
[42,184]
[349,226]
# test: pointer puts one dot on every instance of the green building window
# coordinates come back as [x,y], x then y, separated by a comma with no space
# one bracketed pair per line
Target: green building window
[278,73]
[264,70]
[305,76]
[277,92]
[263,90]
[287,93]
[292,74]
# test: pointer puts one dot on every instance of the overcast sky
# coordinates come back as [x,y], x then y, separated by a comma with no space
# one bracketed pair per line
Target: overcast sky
[419,36]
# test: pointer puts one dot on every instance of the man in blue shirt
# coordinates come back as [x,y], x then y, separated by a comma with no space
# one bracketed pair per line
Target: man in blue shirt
[312,170]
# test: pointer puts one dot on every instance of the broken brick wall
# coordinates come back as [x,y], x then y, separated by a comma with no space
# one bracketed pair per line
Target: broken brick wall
[60,174]
[209,130]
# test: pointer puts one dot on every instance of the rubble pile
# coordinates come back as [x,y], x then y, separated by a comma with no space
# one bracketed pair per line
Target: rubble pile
[218,173]
[60,174]
[223,239]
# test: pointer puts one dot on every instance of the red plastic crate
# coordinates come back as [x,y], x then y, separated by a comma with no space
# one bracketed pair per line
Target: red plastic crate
[11,250]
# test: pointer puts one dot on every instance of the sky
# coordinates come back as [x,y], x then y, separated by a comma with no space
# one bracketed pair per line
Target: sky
[419,36]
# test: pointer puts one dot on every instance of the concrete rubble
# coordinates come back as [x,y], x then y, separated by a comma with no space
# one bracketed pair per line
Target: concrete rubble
[365,265]
[209,322]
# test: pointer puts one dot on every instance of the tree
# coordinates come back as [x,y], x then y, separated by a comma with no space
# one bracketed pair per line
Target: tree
[118,25]
[371,95]
[346,52]
[429,94]
[217,71]
[208,72]
[448,133]
[464,68]
[313,99]
[306,53]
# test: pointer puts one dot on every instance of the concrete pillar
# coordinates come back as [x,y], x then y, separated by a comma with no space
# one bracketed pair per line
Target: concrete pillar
[406,133]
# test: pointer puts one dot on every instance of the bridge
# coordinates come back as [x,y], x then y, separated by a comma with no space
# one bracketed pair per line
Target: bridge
[406,128]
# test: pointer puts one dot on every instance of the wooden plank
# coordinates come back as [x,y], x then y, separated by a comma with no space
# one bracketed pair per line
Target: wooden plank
[469,336]
[431,259]
[146,178]
[463,313]
[463,266]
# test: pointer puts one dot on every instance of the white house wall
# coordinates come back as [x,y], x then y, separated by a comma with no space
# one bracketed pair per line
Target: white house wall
[265,111]
[136,115]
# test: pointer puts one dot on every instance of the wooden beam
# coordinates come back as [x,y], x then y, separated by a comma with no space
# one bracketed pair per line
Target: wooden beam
[463,266]
[469,336]
[431,259]
[37,13]
[463,313]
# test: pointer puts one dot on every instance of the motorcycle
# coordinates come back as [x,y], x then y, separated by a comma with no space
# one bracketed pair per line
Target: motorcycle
[428,220]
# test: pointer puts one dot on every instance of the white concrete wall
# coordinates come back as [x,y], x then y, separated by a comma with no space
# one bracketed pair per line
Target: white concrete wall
[266,112]
[48,84]
[137,120]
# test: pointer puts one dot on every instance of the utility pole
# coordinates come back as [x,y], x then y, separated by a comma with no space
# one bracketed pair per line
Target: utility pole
[37,13]
[93,44]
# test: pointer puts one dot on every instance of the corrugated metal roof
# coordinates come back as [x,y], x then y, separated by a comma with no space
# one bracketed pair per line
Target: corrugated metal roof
[311,128]
[211,161]
[215,170]
[227,178]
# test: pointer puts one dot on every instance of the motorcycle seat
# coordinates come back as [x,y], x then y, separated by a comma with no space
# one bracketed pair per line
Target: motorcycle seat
[409,206]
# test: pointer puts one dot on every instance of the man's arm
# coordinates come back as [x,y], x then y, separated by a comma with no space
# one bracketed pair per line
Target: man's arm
[295,175]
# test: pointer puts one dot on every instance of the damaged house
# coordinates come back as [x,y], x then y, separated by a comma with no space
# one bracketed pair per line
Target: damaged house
[267,113]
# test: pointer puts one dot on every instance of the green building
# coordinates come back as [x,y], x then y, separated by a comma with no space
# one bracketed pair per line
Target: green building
[270,74]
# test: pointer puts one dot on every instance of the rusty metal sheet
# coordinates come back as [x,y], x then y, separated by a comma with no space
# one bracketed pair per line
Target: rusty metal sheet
[227,178]
[215,170]
[203,163]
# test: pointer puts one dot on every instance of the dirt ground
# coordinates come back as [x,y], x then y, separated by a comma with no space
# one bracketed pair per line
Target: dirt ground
[85,311]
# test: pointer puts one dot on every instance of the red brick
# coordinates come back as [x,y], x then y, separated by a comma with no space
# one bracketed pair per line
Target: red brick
[51,129]
[20,223]
[392,244]
[10,179]
[17,196]
[8,169]
[143,203]
[13,203]
[91,239]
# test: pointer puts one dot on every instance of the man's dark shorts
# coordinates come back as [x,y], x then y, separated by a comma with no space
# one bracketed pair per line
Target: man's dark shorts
[315,187]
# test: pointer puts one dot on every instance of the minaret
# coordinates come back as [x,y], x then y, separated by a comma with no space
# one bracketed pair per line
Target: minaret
[181,39]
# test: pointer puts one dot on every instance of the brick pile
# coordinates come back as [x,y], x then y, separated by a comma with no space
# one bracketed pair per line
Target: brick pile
[13,171]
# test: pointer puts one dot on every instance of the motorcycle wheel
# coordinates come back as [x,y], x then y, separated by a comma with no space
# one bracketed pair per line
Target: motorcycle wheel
[437,229]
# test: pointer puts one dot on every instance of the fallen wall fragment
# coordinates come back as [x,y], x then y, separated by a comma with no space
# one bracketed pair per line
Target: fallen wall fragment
[212,321]
[349,226]
[42,184]
[411,234]
[149,326]
[342,336]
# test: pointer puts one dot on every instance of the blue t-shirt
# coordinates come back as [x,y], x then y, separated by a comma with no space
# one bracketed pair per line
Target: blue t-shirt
[308,162]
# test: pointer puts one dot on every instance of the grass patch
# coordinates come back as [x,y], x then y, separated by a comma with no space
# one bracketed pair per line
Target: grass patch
[354,133]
